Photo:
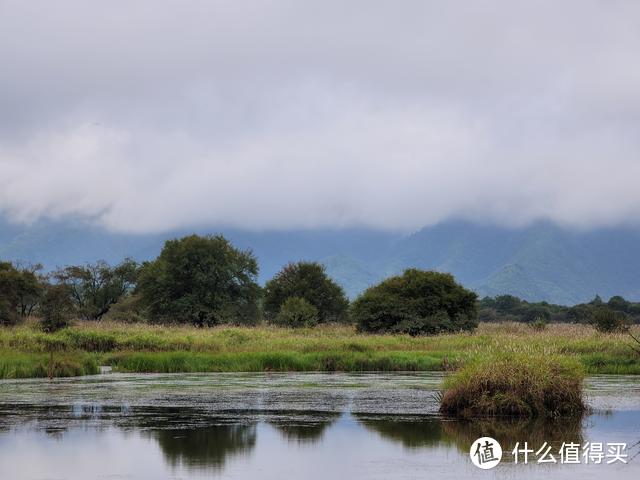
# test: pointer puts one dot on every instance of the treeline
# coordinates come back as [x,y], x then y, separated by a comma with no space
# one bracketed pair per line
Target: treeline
[615,314]
[206,281]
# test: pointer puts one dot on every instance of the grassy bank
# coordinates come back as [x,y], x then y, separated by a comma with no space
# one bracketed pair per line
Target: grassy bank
[146,348]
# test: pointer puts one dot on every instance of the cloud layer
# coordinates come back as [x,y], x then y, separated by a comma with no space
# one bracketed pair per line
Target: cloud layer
[145,117]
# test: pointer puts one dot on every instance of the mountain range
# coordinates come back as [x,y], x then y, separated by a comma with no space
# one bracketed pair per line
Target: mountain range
[541,261]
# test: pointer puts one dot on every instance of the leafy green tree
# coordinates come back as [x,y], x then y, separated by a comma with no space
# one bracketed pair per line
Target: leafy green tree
[201,280]
[94,288]
[618,303]
[534,312]
[9,296]
[20,291]
[507,304]
[417,302]
[296,312]
[609,321]
[56,307]
[580,313]
[307,280]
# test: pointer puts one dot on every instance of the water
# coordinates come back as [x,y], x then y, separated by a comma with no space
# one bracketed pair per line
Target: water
[283,426]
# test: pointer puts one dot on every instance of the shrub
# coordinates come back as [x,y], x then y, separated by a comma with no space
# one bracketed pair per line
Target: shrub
[129,309]
[606,320]
[56,308]
[516,386]
[539,324]
[297,312]
[417,302]
[306,280]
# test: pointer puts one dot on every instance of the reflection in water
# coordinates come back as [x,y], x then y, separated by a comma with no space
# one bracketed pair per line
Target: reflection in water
[306,430]
[411,432]
[429,431]
[205,446]
[509,432]
[350,426]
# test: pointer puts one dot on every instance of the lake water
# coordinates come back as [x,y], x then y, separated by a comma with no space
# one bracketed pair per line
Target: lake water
[285,426]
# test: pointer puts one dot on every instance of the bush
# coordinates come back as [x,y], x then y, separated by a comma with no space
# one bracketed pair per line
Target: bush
[56,308]
[418,302]
[129,309]
[515,386]
[606,320]
[297,312]
[539,324]
[306,280]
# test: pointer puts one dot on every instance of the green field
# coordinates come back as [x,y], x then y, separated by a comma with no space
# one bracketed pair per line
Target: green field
[81,349]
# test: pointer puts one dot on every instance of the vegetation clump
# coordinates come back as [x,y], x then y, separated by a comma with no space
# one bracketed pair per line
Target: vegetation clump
[539,324]
[295,313]
[418,303]
[309,281]
[609,321]
[56,308]
[95,288]
[204,281]
[515,385]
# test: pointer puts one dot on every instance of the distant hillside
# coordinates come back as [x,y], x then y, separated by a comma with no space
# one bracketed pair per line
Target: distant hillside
[539,262]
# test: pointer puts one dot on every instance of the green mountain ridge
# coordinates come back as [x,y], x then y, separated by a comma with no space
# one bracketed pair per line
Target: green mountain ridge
[541,261]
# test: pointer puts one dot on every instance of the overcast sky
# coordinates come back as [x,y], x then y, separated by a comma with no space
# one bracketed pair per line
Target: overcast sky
[146,116]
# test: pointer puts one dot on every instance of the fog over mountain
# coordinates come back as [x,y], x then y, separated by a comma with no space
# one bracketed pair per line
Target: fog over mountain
[538,262]
[497,139]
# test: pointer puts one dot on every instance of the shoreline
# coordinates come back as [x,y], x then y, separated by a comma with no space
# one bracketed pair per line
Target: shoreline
[82,348]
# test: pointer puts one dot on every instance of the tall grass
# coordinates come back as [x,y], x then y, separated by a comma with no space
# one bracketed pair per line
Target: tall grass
[154,348]
[40,365]
[515,385]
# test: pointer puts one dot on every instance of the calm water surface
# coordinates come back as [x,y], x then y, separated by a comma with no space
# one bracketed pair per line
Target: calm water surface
[282,426]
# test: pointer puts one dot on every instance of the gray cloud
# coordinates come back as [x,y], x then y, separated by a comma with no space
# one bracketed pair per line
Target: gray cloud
[145,116]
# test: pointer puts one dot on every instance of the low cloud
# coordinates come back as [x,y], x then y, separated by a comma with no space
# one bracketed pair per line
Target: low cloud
[143,118]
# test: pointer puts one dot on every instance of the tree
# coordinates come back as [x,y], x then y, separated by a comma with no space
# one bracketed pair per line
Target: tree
[416,302]
[296,312]
[56,308]
[9,297]
[94,288]
[30,288]
[20,292]
[618,303]
[201,280]
[507,304]
[609,321]
[307,280]
[531,313]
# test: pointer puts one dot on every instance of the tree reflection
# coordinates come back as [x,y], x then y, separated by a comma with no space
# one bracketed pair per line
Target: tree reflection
[205,447]
[304,430]
[418,432]
[411,432]
[509,432]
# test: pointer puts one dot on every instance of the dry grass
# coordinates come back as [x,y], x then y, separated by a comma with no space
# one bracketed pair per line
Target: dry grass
[143,347]
[515,385]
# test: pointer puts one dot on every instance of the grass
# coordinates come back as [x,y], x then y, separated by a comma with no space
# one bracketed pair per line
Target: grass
[39,365]
[153,348]
[512,385]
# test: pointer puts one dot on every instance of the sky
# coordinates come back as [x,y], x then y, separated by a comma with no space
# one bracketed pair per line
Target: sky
[144,116]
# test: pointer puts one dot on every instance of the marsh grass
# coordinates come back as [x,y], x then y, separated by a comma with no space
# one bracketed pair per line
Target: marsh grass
[41,365]
[155,348]
[515,385]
